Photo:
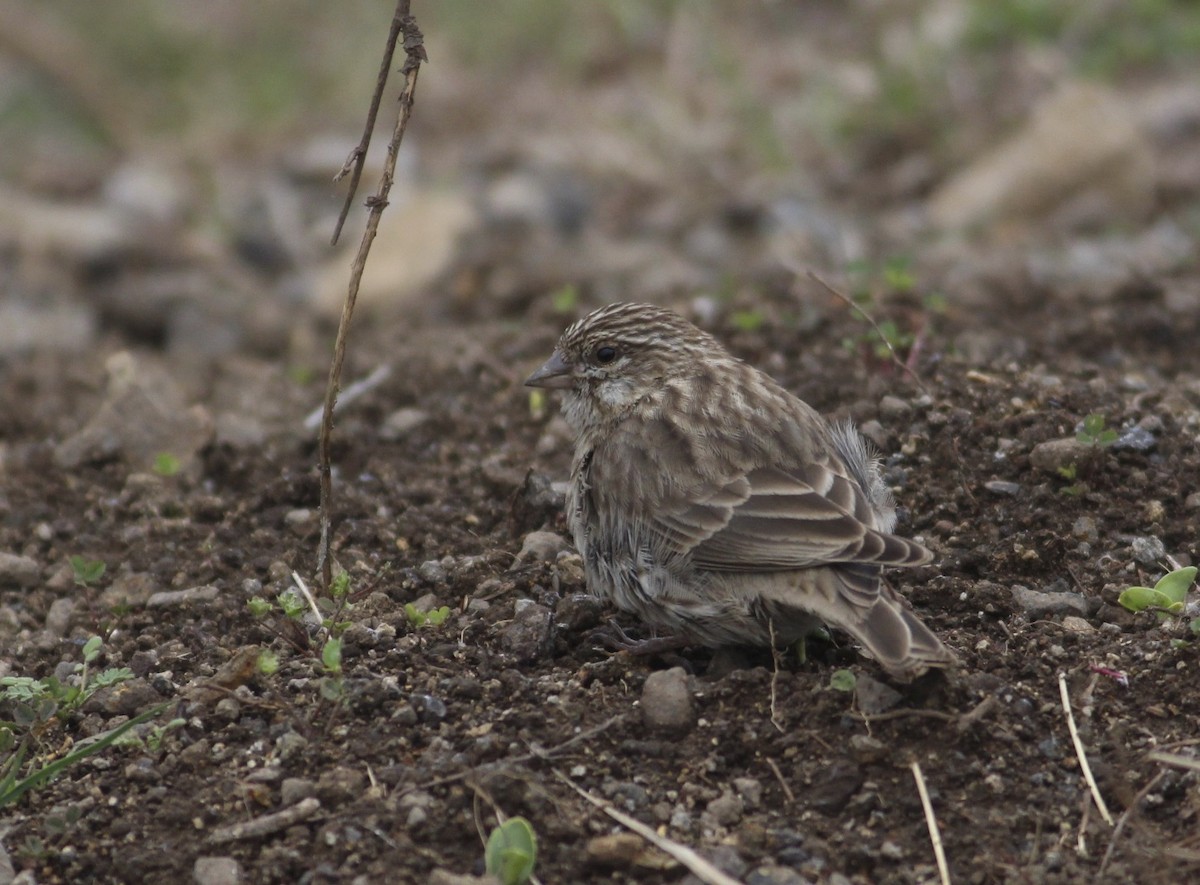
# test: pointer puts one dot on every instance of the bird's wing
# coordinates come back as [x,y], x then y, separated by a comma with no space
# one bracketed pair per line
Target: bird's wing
[772,519]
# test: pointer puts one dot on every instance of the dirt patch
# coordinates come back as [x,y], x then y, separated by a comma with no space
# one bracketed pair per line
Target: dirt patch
[438,723]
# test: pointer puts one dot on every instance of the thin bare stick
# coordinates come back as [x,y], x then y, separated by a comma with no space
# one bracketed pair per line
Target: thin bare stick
[358,157]
[308,597]
[414,49]
[1124,818]
[268,824]
[787,791]
[582,737]
[774,677]
[846,299]
[699,867]
[350,394]
[1174,760]
[1079,753]
[935,835]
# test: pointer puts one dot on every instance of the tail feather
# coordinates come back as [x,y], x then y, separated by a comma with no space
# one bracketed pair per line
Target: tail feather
[857,600]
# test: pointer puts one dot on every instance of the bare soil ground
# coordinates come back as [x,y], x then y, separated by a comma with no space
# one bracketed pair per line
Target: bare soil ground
[779,778]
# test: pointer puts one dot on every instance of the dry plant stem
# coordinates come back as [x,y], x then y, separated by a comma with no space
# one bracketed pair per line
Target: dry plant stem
[268,824]
[1174,760]
[698,866]
[1083,762]
[308,597]
[935,835]
[787,791]
[842,296]
[774,679]
[1124,819]
[414,50]
[358,157]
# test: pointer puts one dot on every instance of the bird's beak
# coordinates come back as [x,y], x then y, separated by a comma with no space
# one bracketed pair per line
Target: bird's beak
[554,373]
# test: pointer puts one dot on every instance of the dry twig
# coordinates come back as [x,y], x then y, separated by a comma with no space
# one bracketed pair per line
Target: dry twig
[846,299]
[1124,818]
[774,678]
[935,835]
[699,867]
[267,824]
[1079,753]
[414,50]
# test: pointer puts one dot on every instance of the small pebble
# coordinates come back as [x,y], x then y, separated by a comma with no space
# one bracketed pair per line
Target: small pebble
[1002,487]
[217,871]
[667,703]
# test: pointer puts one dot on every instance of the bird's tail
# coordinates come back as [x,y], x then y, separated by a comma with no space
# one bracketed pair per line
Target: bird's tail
[856,599]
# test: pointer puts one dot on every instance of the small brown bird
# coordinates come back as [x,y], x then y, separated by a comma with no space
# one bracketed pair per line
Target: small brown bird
[715,505]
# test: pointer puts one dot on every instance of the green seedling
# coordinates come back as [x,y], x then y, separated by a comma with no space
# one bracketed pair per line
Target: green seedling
[332,686]
[434,617]
[537,404]
[511,851]
[39,705]
[1165,599]
[166,464]
[86,571]
[747,320]
[1093,432]
[565,299]
[843,680]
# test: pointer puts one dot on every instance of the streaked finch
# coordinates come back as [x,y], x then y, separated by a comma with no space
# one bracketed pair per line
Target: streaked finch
[711,503]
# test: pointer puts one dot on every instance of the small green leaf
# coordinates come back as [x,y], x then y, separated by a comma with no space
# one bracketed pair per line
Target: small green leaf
[91,649]
[511,851]
[331,688]
[267,663]
[537,404]
[331,655]
[291,602]
[165,464]
[340,586]
[259,607]
[1194,626]
[1138,599]
[438,616]
[87,571]
[747,320]
[842,680]
[565,299]
[415,617]
[1175,585]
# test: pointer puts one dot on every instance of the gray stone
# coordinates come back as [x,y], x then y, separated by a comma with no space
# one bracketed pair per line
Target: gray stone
[893,408]
[540,547]
[750,790]
[58,619]
[217,871]
[1055,455]
[1002,487]
[1135,439]
[290,744]
[667,705]
[174,598]
[293,789]
[18,571]
[1040,604]
[1085,529]
[144,415]
[528,636]
[1148,550]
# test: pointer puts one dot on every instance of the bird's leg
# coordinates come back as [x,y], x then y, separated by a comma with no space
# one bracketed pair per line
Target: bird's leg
[614,637]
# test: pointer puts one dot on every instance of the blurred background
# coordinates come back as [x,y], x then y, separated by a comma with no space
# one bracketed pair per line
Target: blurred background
[167,172]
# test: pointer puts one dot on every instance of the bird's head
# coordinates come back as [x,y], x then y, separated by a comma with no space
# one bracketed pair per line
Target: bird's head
[619,356]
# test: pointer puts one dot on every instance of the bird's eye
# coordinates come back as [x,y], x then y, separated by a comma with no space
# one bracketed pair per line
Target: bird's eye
[605,354]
